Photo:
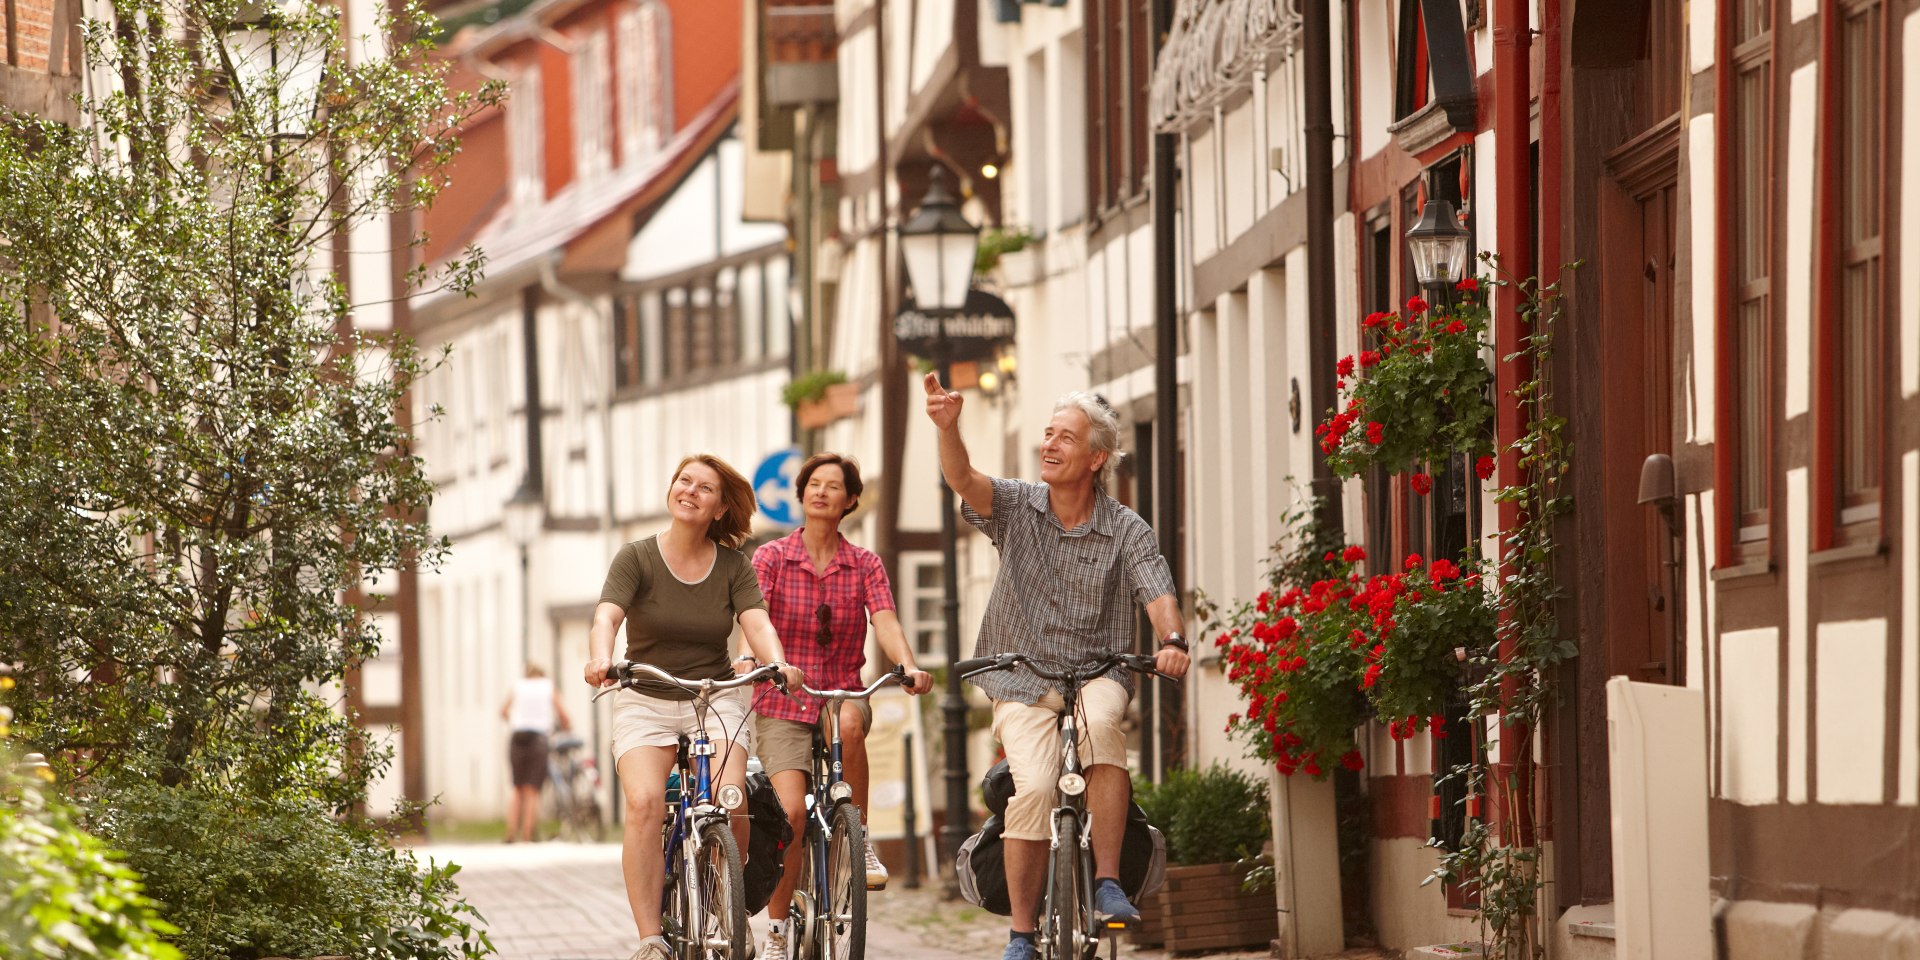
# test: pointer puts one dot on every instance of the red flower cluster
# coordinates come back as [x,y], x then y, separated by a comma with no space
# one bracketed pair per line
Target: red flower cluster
[1422,484]
[1484,468]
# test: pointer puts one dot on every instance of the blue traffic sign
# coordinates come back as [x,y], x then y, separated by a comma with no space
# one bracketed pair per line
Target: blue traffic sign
[773,486]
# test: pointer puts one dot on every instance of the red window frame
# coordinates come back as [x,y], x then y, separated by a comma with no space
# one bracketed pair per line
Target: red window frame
[1731,441]
[1839,518]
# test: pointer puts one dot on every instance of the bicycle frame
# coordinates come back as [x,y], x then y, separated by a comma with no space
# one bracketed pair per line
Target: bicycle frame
[1070,805]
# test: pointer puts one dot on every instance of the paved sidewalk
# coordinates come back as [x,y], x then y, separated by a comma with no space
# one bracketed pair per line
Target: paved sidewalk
[559,901]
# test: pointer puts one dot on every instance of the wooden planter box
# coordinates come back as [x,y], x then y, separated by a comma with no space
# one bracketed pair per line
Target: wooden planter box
[1203,908]
[840,400]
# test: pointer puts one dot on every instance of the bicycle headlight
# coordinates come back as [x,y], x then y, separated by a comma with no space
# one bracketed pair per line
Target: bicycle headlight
[1073,784]
[732,797]
[841,791]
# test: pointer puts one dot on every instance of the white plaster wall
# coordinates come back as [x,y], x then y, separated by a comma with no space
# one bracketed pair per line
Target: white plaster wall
[701,221]
[1796,288]
[1240,170]
[1909,293]
[859,146]
[1704,255]
[1909,717]
[1412,915]
[1372,43]
[1749,739]
[1795,561]
[1851,702]
[1700,19]
[1203,193]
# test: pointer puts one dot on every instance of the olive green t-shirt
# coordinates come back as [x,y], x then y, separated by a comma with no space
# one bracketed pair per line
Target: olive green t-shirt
[680,627]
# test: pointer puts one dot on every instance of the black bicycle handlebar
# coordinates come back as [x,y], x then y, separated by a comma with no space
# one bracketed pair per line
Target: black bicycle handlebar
[1058,671]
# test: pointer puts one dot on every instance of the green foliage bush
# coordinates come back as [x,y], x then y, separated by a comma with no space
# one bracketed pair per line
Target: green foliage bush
[62,892]
[246,877]
[1216,815]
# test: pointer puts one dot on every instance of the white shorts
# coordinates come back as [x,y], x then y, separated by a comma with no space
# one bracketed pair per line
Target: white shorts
[643,721]
[1030,734]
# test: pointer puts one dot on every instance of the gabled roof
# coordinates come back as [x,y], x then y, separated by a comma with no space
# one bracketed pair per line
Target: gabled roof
[587,226]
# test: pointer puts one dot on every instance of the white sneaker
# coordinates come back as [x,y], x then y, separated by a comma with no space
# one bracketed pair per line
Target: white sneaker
[876,871]
[776,947]
[653,948]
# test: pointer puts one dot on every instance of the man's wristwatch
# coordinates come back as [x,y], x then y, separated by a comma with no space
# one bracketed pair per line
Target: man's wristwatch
[1176,641]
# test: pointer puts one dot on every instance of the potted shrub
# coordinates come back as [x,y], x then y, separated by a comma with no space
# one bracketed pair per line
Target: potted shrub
[808,395]
[1216,825]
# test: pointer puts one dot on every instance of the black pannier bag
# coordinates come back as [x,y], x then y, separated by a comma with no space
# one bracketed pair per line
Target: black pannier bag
[981,863]
[767,841]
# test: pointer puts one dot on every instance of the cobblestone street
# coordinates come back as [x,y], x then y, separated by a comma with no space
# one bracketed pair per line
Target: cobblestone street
[556,901]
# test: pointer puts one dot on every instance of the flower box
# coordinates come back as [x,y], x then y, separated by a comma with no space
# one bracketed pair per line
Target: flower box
[1204,908]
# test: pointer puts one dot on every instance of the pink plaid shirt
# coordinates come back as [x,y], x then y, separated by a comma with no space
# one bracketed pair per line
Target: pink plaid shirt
[854,587]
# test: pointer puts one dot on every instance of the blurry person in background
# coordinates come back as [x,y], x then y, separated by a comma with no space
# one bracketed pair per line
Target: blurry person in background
[533,712]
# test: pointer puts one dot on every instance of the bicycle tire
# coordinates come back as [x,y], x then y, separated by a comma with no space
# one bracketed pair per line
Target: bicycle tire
[721,881]
[675,910]
[843,919]
[1068,906]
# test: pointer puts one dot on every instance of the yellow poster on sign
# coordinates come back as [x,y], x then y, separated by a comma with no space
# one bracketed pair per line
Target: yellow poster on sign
[895,716]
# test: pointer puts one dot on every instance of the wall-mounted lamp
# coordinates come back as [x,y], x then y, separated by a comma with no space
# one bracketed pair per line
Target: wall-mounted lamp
[1660,486]
[1000,373]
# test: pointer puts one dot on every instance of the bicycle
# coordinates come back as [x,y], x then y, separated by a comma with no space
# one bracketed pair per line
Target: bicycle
[702,913]
[1067,928]
[827,915]
[576,790]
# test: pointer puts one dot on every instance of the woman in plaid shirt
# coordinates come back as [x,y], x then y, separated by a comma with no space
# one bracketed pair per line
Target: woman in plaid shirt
[819,585]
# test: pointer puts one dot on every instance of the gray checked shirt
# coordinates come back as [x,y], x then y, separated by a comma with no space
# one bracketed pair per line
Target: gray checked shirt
[1063,594]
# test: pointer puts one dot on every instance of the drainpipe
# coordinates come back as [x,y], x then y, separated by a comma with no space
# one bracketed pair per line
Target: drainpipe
[1166,419]
[1323,326]
[1513,238]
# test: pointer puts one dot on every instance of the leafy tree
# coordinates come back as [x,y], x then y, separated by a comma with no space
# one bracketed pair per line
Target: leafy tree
[200,460]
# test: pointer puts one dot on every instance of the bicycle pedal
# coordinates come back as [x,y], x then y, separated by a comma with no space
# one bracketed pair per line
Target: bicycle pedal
[1117,924]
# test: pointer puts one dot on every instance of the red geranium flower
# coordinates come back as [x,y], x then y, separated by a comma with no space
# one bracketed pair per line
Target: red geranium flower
[1372,677]
[1456,327]
[1422,484]
[1416,305]
[1345,366]
[1484,467]
[1469,284]
[1443,570]
[1368,358]
[1374,319]
[1376,434]
[1353,552]
[1352,760]
[1413,561]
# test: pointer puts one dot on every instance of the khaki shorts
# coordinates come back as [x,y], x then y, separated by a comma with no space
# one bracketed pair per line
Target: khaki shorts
[1029,735]
[643,721]
[788,744]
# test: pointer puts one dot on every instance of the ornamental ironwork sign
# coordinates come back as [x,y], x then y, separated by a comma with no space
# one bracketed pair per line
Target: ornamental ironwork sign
[1214,50]
[985,324]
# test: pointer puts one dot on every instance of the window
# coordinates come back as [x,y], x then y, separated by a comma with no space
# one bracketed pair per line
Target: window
[1746,465]
[526,141]
[592,120]
[922,614]
[723,316]
[644,99]
[1848,425]
[1119,71]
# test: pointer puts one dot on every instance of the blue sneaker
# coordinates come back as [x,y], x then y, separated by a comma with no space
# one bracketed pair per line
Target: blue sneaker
[1110,904]
[1018,949]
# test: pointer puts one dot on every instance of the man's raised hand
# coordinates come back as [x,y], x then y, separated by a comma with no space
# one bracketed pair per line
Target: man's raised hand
[943,406]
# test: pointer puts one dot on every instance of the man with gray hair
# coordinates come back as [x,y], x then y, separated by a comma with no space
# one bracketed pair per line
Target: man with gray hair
[1072,562]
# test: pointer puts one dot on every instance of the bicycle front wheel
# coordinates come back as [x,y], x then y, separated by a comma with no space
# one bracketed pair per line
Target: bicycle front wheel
[843,914]
[1068,914]
[724,914]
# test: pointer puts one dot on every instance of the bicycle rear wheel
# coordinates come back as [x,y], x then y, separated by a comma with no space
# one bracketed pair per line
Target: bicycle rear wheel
[724,917]
[843,914]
